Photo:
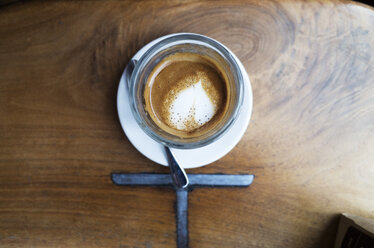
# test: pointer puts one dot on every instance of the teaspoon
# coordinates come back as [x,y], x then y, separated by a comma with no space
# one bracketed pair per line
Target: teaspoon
[177,173]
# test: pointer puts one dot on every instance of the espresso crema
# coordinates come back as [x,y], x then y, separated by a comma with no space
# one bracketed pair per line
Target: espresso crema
[187,94]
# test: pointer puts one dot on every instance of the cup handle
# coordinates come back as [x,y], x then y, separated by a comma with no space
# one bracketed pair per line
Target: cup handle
[128,71]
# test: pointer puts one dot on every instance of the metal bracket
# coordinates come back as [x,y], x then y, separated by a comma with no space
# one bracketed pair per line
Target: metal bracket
[196,180]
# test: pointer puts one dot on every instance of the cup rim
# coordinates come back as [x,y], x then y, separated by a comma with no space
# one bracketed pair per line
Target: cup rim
[225,52]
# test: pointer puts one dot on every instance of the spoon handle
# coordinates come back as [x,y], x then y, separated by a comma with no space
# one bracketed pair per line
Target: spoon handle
[177,173]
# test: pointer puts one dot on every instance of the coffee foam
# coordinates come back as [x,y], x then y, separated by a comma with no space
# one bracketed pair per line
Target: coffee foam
[191,108]
[186,94]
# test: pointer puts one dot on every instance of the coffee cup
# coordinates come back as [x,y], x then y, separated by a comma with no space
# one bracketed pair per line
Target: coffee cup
[186,91]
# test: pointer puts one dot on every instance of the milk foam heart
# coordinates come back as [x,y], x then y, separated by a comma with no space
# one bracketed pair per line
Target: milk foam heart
[191,108]
[186,95]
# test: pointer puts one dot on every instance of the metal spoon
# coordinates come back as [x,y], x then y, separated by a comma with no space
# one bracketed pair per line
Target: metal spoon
[177,173]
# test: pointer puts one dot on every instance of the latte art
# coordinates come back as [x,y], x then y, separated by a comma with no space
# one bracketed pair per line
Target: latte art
[186,94]
[191,108]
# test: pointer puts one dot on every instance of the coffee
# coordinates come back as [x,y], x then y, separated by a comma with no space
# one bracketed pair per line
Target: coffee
[187,94]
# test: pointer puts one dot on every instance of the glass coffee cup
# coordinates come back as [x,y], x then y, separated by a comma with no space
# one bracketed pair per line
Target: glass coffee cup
[193,44]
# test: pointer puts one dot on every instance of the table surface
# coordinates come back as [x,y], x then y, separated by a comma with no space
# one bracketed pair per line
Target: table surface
[310,142]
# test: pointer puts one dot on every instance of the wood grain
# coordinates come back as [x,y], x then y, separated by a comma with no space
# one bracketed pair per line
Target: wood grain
[310,142]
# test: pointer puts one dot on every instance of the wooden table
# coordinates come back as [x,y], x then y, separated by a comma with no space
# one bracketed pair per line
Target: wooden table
[310,142]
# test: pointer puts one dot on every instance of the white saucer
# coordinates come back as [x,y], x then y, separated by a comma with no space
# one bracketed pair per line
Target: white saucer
[190,158]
